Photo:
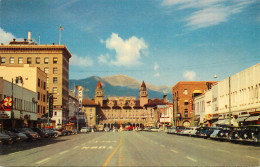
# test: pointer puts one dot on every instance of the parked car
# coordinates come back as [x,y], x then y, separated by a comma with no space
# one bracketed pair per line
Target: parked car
[154,129]
[4,138]
[235,134]
[172,130]
[224,133]
[106,129]
[84,130]
[40,132]
[63,132]
[22,136]
[30,135]
[75,131]
[179,129]
[147,128]
[32,132]
[14,136]
[50,133]
[215,133]
[251,134]
[193,131]
[207,132]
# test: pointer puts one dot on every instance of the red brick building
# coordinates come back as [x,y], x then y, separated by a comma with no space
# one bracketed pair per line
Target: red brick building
[183,93]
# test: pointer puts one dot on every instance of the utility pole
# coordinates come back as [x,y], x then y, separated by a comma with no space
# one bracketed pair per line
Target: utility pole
[229,95]
[12,107]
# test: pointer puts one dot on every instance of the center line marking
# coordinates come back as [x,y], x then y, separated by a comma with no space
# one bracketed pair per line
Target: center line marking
[194,160]
[111,155]
[252,157]
[42,161]
[64,152]
[174,151]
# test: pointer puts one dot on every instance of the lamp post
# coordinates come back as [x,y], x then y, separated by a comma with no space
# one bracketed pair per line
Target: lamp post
[12,107]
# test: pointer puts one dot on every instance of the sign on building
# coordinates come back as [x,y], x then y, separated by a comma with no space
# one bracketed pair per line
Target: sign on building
[80,97]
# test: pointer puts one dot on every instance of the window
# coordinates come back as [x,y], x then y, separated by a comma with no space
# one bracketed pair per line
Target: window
[55,70]
[46,60]
[2,60]
[185,91]
[39,82]
[186,102]
[39,95]
[186,113]
[20,60]
[55,60]
[29,60]
[55,80]
[38,60]
[46,70]
[11,60]
[47,79]
[54,89]
[44,98]
[44,85]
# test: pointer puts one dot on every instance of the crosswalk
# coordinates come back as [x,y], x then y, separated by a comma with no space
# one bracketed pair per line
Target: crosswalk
[99,145]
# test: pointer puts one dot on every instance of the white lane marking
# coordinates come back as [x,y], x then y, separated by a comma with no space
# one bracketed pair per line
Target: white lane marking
[223,150]
[64,152]
[253,157]
[194,160]
[110,147]
[84,148]
[93,147]
[102,147]
[42,161]
[75,147]
[174,151]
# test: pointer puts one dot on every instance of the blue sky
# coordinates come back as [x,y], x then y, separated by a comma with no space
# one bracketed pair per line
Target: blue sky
[159,41]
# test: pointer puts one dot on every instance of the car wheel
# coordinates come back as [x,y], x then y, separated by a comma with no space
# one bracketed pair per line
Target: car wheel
[10,142]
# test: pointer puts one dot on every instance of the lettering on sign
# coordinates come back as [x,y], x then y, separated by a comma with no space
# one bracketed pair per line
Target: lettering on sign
[80,97]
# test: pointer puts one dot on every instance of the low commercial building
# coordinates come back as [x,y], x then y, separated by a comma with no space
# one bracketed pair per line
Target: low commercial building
[31,78]
[236,98]
[184,93]
[24,113]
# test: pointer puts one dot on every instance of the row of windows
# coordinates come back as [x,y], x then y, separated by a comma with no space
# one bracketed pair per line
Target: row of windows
[55,70]
[41,109]
[41,84]
[122,110]
[29,60]
[42,97]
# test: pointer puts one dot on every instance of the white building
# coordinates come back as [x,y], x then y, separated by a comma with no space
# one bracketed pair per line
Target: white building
[244,98]
[24,106]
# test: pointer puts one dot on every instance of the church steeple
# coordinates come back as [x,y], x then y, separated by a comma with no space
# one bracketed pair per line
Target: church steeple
[99,94]
[143,95]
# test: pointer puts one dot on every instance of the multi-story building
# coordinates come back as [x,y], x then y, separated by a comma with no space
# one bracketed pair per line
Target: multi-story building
[52,59]
[32,78]
[236,97]
[121,111]
[24,112]
[183,94]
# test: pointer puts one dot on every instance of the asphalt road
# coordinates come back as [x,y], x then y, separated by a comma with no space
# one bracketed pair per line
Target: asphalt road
[128,149]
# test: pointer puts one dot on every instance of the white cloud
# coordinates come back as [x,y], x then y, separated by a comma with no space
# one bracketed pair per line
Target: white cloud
[156,66]
[128,52]
[103,59]
[81,61]
[157,74]
[6,37]
[189,75]
[208,12]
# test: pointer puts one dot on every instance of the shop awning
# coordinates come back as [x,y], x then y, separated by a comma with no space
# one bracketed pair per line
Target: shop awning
[241,119]
[253,118]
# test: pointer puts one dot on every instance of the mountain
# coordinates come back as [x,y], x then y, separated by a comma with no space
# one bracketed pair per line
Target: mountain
[119,85]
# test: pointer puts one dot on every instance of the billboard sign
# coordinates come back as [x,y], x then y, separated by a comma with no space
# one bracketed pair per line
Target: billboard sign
[80,97]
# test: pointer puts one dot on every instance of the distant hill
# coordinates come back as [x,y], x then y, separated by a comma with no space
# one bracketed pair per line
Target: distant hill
[119,85]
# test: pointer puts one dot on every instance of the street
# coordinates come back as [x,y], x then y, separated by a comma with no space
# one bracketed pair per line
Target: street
[128,148]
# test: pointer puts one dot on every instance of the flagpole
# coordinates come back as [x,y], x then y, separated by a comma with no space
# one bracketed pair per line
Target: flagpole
[59,35]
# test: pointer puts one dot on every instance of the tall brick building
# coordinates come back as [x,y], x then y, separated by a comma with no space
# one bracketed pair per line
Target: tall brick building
[183,93]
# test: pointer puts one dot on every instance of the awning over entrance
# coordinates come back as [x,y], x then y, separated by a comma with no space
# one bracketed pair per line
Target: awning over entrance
[241,119]
[253,118]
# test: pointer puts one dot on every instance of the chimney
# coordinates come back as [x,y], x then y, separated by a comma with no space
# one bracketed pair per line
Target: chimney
[165,99]
[29,36]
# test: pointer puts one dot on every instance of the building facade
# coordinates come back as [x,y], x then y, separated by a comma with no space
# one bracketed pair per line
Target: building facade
[183,94]
[32,78]
[52,59]
[24,112]
[237,96]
